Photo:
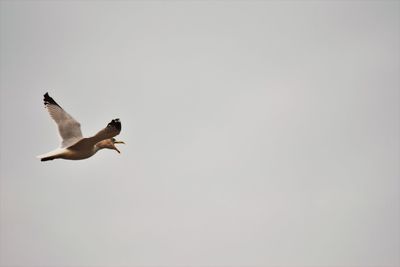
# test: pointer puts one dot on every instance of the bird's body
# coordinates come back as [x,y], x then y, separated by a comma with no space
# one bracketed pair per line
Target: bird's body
[74,146]
[69,153]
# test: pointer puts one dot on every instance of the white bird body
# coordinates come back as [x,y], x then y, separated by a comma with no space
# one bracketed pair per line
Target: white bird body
[74,146]
[67,153]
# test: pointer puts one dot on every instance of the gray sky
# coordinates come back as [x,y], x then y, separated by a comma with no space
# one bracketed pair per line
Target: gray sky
[257,133]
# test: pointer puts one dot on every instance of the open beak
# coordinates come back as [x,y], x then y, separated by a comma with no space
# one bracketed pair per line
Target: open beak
[118,142]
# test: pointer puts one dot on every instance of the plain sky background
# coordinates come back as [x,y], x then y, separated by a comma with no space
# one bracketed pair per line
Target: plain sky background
[257,133]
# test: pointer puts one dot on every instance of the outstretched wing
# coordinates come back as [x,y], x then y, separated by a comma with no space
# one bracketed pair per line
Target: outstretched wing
[112,129]
[68,128]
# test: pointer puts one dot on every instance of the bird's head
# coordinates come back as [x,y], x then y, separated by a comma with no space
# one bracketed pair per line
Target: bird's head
[110,144]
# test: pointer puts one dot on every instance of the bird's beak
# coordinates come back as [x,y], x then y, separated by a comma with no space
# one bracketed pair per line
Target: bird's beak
[118,142]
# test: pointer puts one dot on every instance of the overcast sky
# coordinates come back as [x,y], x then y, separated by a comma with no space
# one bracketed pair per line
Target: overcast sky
[257,133]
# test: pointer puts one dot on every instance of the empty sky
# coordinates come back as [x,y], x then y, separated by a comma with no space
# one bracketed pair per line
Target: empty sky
[257,133]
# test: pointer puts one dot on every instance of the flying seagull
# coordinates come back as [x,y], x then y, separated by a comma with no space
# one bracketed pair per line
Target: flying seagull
[74,146]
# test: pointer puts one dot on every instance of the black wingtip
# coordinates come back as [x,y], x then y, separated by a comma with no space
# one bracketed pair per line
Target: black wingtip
[49,100]
[116,123]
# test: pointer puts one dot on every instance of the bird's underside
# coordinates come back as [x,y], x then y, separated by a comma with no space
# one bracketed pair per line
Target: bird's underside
[74,146]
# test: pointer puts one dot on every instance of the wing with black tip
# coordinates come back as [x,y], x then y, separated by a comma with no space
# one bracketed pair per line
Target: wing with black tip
[68,128]
[112,129]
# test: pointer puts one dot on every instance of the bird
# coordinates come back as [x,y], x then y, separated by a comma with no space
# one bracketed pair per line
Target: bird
[74,146]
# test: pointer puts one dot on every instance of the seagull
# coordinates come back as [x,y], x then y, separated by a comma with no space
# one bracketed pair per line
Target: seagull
[74,146]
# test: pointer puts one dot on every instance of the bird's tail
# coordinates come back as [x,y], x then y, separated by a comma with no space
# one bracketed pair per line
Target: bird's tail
[47,158]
